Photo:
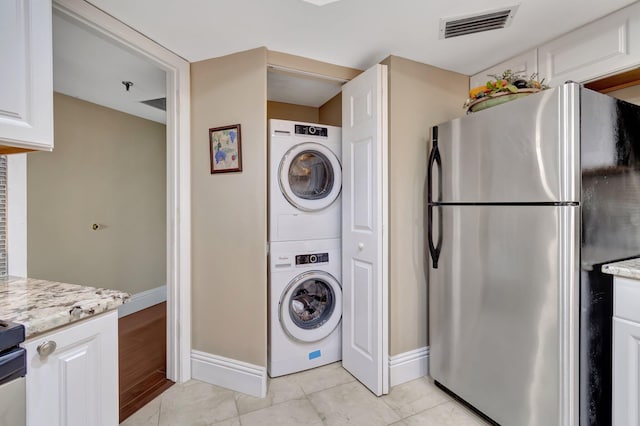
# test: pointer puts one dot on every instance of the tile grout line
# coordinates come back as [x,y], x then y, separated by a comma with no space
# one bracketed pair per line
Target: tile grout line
[322,418]
[397,411]
[235,402]
[430,408]
[160,408]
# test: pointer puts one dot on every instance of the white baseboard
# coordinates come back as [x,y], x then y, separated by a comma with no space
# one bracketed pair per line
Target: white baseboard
[143,300]
[229,373]
[408,366]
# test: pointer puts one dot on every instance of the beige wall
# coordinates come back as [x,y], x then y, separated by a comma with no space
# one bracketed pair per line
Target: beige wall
[284,111]
[630,94]
[229,210]
[319,68]
[420,96]
[109,168]
[331,112]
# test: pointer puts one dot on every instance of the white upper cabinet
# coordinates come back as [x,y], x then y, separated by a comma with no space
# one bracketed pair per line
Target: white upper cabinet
[601,48]
[604,47]
[26,74]
[526,64]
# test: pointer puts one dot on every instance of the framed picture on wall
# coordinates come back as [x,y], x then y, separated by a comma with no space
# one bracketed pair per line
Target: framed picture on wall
[225,149]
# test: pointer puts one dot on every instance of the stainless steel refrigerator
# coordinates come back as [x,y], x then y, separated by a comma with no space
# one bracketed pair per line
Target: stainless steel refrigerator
[526,201]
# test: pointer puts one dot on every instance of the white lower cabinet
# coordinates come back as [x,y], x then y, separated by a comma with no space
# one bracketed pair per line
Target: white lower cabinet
[626,369]
[76,383]
[626,352]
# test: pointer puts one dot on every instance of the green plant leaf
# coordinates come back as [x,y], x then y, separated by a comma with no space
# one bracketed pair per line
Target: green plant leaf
[512,88]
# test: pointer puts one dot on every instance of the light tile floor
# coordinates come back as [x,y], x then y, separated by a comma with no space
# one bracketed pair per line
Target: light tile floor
[323,396]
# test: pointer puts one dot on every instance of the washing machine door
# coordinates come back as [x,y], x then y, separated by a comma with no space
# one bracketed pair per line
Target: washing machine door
[310,176]
[311,306]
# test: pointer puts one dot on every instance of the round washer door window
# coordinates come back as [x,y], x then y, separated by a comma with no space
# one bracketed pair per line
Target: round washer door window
[311,306]
[310,176]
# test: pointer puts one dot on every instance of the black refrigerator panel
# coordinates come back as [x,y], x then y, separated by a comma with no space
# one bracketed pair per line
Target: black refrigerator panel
[610,162]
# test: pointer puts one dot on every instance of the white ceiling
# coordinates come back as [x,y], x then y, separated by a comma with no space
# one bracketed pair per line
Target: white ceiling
[352,33]
[300,89]
[92,68]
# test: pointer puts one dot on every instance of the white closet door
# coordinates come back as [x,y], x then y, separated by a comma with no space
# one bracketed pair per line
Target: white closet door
[364,225]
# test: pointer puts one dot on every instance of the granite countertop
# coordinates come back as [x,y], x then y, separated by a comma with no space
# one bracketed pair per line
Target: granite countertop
[627,268]
[42,305]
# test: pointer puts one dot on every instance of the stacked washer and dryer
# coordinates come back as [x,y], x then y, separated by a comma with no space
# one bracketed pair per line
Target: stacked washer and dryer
[305,292]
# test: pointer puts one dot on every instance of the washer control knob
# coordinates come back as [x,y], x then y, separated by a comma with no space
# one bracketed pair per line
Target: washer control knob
[313,258]
[312,130]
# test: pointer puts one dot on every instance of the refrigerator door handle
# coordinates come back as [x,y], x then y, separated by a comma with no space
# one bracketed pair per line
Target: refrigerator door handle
[434,157]
[434,249]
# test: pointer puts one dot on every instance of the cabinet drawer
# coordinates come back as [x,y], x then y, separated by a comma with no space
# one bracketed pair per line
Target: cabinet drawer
[626,303]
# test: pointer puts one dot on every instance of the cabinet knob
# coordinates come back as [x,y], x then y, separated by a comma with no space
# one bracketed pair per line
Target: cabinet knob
[47,348]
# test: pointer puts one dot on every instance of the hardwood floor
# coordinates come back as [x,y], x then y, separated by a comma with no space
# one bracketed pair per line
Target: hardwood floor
[143,356]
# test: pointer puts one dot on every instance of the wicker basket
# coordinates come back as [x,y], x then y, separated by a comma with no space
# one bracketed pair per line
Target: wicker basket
[498,98]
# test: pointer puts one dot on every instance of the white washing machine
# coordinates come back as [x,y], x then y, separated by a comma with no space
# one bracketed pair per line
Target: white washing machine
[305,181]
[305,305]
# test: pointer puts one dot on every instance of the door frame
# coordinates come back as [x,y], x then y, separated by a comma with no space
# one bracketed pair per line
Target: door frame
[178,173]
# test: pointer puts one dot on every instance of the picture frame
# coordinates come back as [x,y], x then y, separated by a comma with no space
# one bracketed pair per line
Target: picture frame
[225,149]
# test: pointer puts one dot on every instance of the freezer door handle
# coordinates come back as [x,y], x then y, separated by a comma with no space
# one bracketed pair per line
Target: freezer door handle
[434,158]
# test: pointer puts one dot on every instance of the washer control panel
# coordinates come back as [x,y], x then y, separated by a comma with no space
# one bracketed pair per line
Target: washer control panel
[311,130]
[306,259]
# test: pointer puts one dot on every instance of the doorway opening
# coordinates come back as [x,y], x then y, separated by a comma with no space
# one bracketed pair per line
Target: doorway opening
[176,207]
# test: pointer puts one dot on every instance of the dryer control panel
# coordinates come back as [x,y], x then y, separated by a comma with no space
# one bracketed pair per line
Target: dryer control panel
[311,130]
[305,259]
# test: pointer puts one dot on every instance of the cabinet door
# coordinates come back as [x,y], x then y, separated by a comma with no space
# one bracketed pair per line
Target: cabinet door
[604,47]
[77,384]
[26,76]
[525,63]
[626,372]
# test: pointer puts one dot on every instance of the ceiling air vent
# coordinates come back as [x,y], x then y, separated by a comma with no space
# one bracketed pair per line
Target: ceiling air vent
[160,103]
[476,23]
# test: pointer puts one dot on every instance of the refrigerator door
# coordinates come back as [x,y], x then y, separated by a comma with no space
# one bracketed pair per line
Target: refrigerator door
[503,311]
[525,151]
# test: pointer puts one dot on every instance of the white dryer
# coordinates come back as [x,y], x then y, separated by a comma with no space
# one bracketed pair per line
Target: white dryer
[305,181]
[305,305]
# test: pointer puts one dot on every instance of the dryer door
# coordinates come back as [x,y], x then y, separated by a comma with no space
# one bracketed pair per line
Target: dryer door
[310,176]
[311,306]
